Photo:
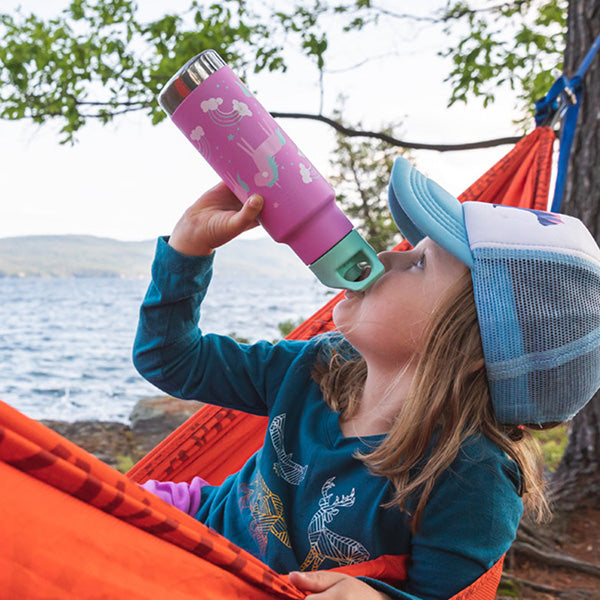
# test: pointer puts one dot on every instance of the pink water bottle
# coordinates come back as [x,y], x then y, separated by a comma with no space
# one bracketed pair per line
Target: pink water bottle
[252,154]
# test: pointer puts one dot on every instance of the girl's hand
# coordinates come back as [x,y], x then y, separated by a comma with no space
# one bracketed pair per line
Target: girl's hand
[328,585]
[213,220]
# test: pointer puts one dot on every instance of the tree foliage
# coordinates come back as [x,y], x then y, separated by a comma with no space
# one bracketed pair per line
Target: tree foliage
[361,170]
[519,43]
[98,59]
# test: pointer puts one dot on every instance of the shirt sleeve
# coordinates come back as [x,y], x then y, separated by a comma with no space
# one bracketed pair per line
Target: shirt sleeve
[171,352]
[468,524]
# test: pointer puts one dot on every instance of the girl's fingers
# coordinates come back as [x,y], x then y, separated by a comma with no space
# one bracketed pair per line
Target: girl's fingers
[316,581]
[329,585]
[213,220]
[247,216]
[253,206]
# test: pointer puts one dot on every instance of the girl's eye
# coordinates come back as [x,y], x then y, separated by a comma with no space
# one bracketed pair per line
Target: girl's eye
[420,262]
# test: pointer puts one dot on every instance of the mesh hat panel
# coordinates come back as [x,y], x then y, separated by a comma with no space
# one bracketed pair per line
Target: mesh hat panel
[539,316]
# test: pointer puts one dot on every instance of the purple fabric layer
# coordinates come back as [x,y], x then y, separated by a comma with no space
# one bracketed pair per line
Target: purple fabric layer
[184,496]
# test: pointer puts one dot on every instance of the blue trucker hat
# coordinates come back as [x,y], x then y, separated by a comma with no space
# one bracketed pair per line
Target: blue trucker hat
[536,277]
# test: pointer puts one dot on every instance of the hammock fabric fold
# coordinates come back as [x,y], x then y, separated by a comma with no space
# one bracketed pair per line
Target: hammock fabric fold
[74,527]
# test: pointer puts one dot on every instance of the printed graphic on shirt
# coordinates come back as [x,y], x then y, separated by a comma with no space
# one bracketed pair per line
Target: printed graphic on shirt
[266,509]
[327,544]
[285,467]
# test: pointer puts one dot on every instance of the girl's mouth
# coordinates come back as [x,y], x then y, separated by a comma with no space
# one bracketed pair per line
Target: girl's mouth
[365,271]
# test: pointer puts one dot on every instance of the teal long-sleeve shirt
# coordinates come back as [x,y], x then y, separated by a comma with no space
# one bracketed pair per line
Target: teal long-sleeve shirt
[304,502]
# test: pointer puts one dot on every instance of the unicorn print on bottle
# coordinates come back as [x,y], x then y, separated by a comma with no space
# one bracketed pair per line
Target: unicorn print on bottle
[236,184]
[263,155]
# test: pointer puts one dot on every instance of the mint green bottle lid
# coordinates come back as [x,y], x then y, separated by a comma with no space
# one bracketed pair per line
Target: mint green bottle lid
[343,265]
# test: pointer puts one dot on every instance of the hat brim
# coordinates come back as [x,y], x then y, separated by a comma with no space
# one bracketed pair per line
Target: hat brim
[421,208]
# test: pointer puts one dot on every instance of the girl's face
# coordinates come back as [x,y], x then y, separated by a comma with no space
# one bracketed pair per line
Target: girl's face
[387,321]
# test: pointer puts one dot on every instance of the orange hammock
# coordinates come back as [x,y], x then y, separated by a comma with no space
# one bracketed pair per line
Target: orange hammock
[60,537]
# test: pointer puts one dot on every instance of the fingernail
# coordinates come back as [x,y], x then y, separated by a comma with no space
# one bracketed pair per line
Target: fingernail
[254,200]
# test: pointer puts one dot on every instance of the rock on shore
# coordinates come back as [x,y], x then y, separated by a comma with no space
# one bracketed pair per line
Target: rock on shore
[121,445]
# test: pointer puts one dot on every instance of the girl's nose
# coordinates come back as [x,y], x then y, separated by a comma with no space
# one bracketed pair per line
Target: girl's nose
[387,259]
[393,259]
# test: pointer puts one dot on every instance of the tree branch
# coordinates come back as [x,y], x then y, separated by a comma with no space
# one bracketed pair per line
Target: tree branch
[557,560]
[394,141]
[449,16]
[134,104]
[112,114]
[361,63]
[406,16]
[347,131]
[473,11]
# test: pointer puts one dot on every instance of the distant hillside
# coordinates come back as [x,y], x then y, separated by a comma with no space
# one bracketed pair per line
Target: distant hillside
[89,256]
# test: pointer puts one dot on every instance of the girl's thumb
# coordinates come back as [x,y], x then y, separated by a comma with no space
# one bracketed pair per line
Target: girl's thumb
[315,581]
[255,202]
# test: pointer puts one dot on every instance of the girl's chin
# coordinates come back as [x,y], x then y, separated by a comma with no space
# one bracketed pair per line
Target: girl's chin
[335,314]
[340,314]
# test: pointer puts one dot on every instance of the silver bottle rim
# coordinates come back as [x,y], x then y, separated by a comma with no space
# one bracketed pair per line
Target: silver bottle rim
[190,76]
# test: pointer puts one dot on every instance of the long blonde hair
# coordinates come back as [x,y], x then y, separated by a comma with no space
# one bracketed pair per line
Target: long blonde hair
[448,397]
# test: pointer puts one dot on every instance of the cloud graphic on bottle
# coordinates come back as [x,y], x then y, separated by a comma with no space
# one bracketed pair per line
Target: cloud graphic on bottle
[197,133]
[211,104]
[241,108]
[306,173]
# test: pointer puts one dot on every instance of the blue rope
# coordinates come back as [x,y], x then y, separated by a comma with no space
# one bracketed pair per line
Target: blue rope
[564,100]
[585,63]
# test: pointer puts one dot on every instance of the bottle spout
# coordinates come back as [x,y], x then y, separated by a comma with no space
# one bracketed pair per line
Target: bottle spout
[351,264]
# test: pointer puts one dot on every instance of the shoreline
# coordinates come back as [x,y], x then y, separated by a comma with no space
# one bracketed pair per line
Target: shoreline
[121,445]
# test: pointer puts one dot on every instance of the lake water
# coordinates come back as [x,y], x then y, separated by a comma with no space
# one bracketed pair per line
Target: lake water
[65,344]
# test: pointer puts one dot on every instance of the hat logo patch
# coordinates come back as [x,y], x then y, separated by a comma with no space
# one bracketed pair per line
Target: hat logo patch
[544,218]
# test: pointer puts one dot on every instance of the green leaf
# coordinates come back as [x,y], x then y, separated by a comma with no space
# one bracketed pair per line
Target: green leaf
[518,44]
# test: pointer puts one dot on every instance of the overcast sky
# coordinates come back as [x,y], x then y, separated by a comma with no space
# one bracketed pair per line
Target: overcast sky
[131,180]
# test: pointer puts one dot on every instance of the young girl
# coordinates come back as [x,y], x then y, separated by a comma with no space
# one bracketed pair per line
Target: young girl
[398,441]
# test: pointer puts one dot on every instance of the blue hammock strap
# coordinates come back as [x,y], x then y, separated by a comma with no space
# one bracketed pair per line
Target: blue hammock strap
[562,102]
